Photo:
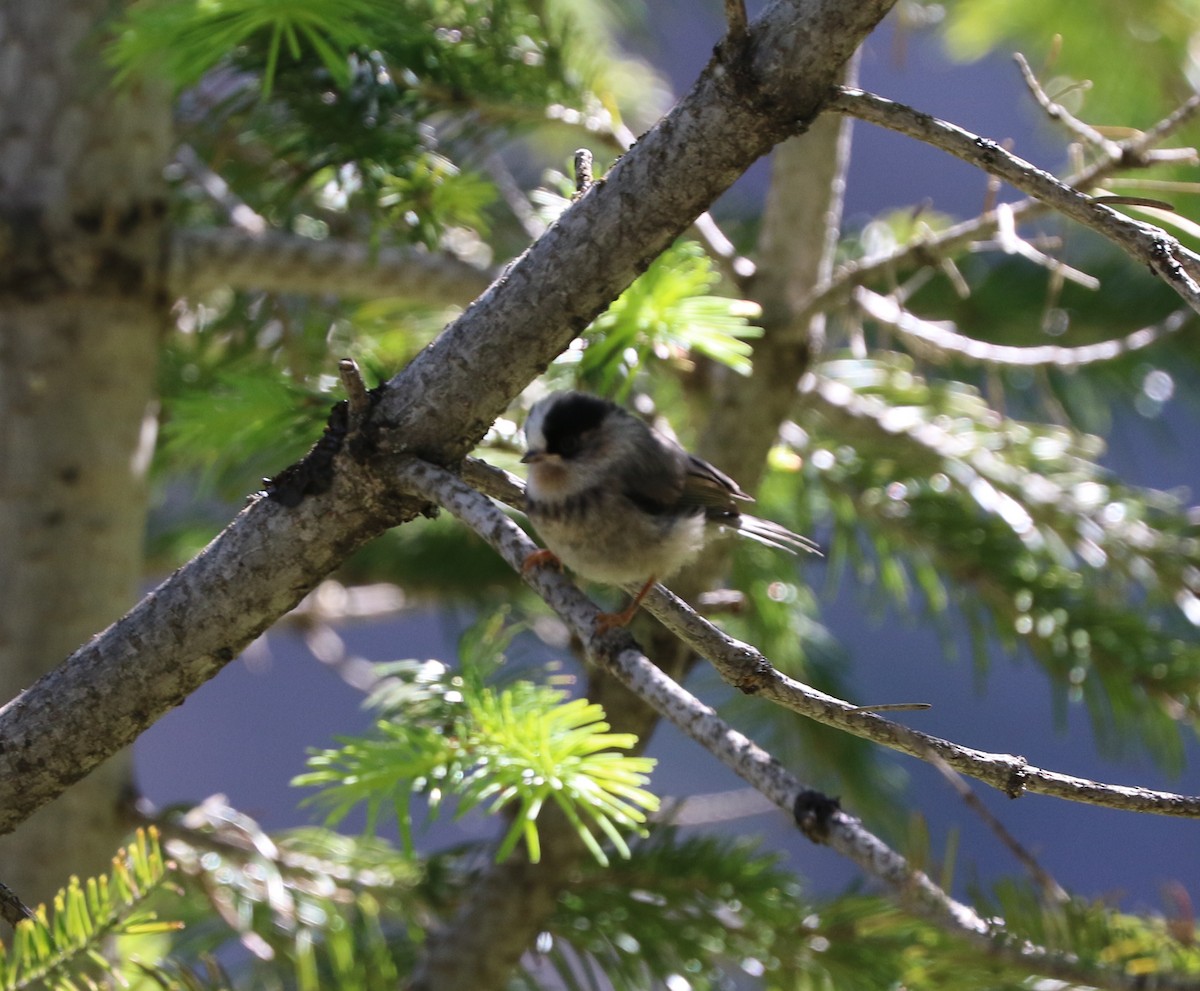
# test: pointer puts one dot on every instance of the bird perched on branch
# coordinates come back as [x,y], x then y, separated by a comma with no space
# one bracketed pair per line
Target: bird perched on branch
[619,502]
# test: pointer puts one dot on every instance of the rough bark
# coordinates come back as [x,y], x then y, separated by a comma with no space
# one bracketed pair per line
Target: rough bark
[769,84]
[512,902]
[81,220]
[801,224]
[275,261]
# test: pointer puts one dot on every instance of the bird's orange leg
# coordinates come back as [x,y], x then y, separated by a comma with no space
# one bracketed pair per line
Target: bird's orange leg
[611,620]
[539,559]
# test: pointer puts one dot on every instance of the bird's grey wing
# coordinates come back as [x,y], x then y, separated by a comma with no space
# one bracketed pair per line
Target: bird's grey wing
[654,478]
[710,488]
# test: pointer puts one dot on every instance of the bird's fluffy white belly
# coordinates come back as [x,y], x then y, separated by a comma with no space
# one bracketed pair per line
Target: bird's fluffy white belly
[618,548]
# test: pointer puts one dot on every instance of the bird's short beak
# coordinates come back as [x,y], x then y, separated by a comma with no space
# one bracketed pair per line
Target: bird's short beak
[532,457]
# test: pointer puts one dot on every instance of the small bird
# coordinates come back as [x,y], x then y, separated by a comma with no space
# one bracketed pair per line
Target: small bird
[618,502]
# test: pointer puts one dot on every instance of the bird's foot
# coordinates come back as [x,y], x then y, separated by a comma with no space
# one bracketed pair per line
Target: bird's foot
[540,559]
[606,621]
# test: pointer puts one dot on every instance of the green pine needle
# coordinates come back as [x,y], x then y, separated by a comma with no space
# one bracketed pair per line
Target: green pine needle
[668,312]
[503,751]
[184,39]
[59,949]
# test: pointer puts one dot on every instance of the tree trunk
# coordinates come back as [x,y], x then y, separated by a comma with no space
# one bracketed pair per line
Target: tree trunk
[82,221]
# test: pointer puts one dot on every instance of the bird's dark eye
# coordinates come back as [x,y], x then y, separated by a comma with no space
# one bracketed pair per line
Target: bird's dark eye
[570,446]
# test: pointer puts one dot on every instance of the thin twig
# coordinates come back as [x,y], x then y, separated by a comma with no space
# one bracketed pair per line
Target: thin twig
[1158,185]
[1138,151]
[747,669]
[942,341]
[240,214]
[822,819]
[1142,143]
[514,197]
[1011,243]
[1051,889]
[1176,265]
[1060,113]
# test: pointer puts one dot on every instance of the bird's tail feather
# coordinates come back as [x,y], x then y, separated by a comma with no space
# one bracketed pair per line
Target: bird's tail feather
[773,535]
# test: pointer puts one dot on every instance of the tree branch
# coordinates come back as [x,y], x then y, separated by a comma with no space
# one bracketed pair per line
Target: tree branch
[940,340]
[203,260]
[439,406]
[820,818]
[1162,254]
[1137,152]
[747,670]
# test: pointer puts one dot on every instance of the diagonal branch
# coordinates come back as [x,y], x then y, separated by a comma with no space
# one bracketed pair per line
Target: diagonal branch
[942,341]
[277,549]
[749,671]
[820,818]
[1136,152]
[1176,265]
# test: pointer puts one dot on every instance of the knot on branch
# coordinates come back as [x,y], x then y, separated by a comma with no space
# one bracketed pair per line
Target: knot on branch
[350,425]
[1014,786]
[814,811]
[753,678]
[313,473]
[988,149]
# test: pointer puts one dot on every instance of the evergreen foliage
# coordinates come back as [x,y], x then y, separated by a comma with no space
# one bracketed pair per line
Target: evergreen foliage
[509,751]
[65,947]
[954,492]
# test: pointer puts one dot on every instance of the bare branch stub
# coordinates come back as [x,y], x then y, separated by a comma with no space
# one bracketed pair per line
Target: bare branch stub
[12,909]
[356,390]
[735,17]
[583,171]
[1058,112]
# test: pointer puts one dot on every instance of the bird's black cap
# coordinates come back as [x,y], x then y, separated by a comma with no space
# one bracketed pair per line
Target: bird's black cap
[570,418]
